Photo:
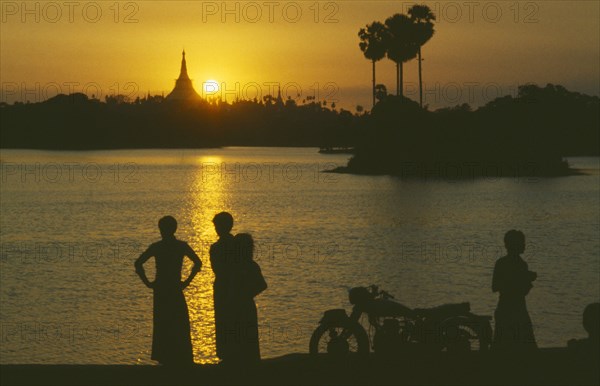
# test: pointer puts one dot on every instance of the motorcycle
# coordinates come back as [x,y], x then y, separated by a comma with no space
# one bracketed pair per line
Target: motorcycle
[395,328]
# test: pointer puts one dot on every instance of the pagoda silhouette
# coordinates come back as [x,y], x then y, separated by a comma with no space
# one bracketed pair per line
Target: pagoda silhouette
[184,90]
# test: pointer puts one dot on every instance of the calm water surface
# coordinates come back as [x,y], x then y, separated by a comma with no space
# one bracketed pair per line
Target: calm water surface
[72,224]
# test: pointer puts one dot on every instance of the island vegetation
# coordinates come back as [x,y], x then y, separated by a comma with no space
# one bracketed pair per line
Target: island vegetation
[526,135]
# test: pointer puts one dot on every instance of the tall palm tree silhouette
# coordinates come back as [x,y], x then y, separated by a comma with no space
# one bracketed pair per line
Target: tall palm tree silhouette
[401,45]
[373,45]
[422,18]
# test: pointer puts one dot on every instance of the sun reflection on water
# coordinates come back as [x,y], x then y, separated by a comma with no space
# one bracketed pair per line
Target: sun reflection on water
[208,195]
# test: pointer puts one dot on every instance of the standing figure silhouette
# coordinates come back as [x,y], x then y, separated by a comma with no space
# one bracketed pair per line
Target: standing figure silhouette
[513,280]
[591,324]
[171,341]
[248,282]
[222,256]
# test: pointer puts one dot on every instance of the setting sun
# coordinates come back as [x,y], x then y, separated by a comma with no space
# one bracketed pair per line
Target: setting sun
[210,87]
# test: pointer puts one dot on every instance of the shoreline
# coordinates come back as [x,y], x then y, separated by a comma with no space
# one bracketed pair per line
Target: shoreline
[428,174]
[545,366]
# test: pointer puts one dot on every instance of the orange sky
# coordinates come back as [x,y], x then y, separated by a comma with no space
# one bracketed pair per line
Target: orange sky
[480,50]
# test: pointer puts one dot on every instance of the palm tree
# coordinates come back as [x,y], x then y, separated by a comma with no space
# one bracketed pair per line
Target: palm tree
[373,45]
[401,46]
[422,18]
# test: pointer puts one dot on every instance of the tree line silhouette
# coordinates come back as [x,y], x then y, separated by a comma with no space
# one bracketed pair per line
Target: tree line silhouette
[534,129]
[78,122]
[400,38]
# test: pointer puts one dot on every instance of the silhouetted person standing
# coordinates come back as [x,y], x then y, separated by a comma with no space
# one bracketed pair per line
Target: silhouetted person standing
[248,282]
[512,278]
[591,323]
[222,256]
[171,341]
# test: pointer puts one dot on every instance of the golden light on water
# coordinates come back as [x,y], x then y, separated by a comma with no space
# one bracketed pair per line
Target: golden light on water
[204,161]
[208,196]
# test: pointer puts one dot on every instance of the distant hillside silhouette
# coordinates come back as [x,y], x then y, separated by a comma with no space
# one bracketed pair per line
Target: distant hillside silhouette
[76,122]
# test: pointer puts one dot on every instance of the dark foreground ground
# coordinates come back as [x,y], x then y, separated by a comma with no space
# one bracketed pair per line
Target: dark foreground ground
[548,366]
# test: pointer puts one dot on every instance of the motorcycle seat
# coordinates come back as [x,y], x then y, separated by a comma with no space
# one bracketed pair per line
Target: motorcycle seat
[445,310]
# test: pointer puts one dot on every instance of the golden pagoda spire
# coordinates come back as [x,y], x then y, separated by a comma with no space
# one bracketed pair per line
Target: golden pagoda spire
[184,90]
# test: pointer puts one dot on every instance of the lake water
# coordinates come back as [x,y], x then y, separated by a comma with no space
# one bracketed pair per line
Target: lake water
[72,223]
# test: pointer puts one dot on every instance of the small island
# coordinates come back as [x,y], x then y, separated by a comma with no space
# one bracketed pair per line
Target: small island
[526,135]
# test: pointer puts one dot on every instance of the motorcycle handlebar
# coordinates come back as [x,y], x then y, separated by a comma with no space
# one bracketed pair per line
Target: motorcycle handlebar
[375,291]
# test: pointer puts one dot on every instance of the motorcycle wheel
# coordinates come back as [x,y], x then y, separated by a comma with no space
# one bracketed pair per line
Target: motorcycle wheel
[326,339]
[460,335]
